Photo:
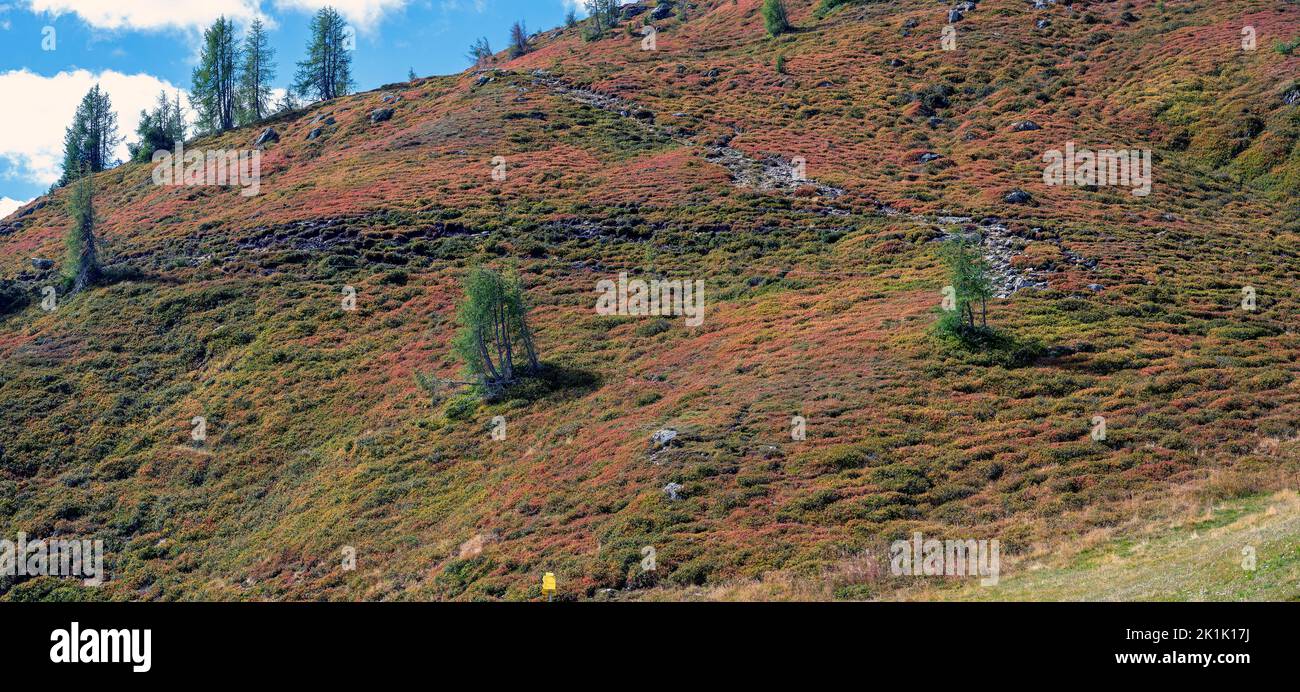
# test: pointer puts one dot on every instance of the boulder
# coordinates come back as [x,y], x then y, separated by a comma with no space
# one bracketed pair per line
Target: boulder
[379,115]
[673,491]
[662,10]
[1025,126]
[663,438]
[1018,196]
[42,263]
[315,133]
[268,136]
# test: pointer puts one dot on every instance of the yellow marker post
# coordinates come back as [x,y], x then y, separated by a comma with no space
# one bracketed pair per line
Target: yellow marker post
[548,585]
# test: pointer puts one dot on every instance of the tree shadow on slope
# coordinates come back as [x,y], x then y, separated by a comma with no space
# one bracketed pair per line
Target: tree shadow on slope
[986,346]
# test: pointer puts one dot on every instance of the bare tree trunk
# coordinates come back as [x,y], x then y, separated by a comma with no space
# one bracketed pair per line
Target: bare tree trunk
[487,359]
[527,336]
[86,266]
[509,341]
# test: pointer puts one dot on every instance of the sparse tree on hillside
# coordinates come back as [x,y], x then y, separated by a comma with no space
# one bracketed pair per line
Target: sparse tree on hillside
[518,40]
[479,52]
[288,102]
[969,274]
[160,128]
[327,71]
[604,13]
[775,17]
[570,19]
[213,92]
[494,330]
[81,264]
[256,74]
[89,141]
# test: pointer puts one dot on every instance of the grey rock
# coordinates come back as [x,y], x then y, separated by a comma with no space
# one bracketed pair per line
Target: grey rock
[268,136]
[42,263]
[673,491]
[315,133]
[663,438]
[1025,126]
[1018,196]
[380,115]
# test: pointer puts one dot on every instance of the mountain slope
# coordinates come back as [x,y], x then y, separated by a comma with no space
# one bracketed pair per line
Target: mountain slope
[821,296]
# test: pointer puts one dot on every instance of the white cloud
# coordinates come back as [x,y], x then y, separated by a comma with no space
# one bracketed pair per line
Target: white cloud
[151,14]
[362,14]
[31,137]
[9,205]
[480,6]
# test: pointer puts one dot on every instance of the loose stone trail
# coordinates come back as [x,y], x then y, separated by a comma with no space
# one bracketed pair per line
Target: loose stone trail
[999,243]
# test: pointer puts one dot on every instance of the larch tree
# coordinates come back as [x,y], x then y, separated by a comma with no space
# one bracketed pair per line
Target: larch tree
[775,17]
[89,142]
[81,263]
[518,40]
[160,128]
[256,74]
[214,81]
[327,71]
[494,340]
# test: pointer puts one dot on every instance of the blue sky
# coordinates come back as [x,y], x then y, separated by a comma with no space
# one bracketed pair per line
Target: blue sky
[134,48]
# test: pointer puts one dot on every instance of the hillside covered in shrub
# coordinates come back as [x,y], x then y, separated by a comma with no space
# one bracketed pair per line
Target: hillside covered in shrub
[326,427]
